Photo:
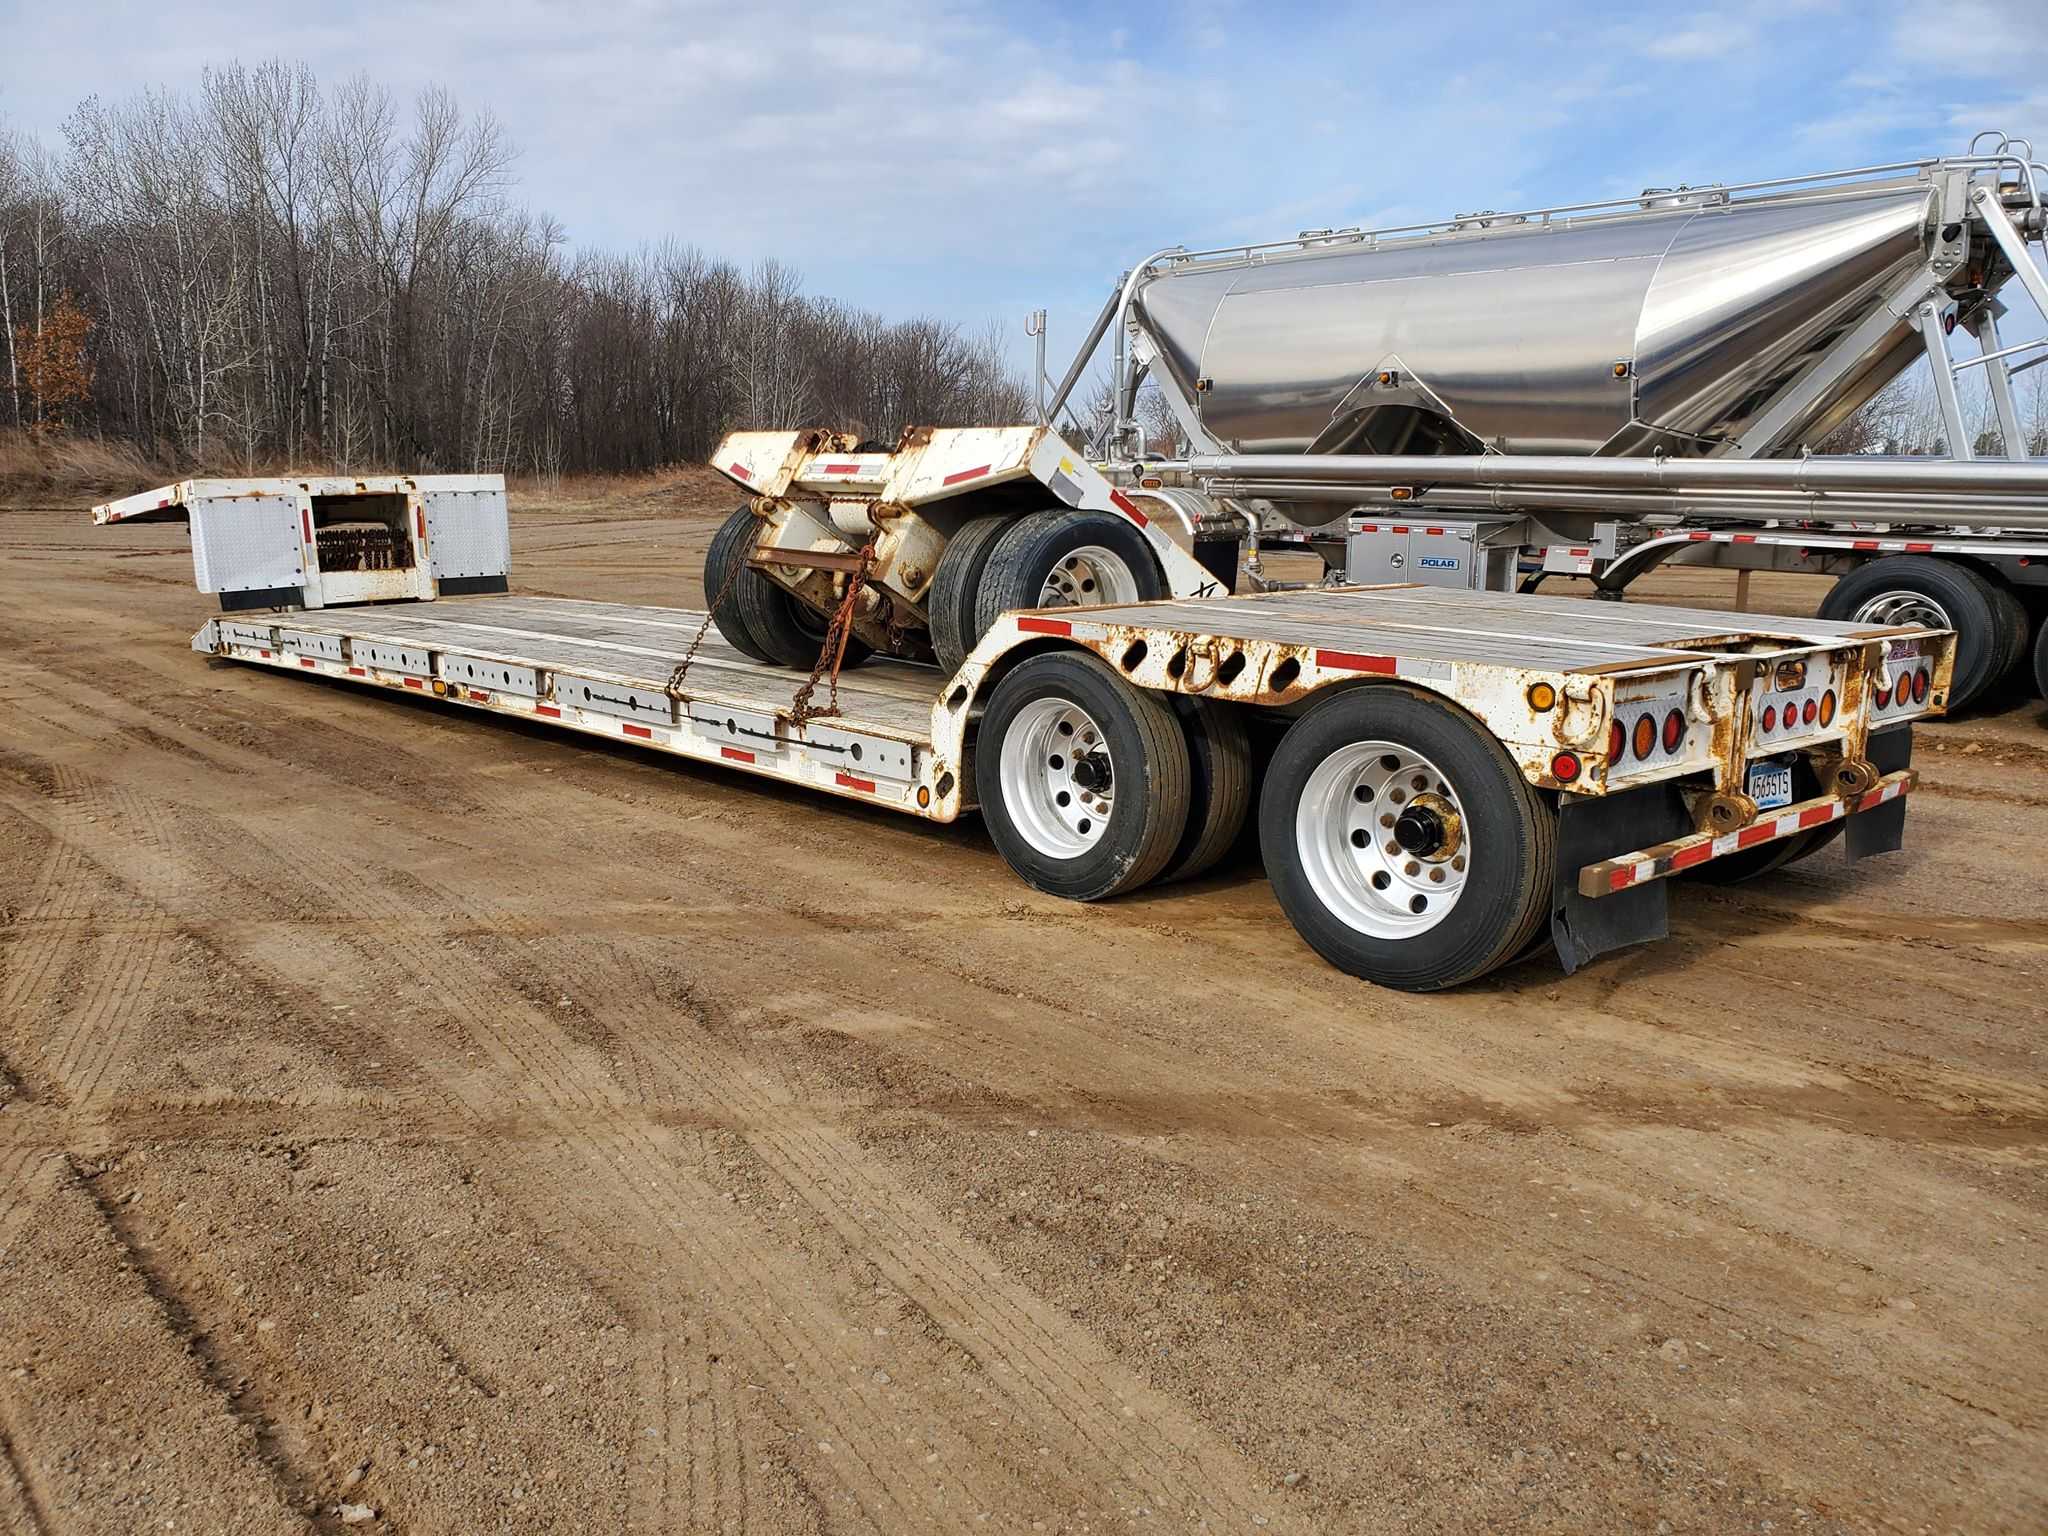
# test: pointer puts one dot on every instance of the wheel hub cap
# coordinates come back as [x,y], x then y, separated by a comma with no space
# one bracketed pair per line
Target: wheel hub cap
[1088,577]
[1382,837]
[1058,779]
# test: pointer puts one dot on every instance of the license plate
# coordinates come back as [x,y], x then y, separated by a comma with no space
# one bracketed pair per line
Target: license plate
[1770,785]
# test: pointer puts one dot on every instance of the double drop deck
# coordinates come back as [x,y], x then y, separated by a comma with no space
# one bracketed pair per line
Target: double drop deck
[1454,777]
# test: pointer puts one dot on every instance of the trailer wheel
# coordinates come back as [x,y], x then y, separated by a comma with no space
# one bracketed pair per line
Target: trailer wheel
[1402,843]
[1065,560]
[1219,785]
[724,571]
[765,621]
[1937,593]
[1083,779]
[956,583]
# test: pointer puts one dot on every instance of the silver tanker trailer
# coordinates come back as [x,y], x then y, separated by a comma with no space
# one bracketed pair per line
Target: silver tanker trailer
[1597,389]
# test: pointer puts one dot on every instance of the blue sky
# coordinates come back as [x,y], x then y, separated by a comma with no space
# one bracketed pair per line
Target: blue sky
[979,159]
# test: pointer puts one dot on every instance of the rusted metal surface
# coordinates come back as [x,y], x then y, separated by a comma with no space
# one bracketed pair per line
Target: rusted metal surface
[1664,859]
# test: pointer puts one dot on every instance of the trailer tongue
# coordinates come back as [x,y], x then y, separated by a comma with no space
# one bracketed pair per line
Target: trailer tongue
[1456,775]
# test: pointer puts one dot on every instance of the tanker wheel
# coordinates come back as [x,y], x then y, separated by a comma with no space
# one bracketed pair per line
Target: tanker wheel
[1936,594]
[2041,660]
[724,570]
[1065,560]
[1402,842]
[1083,779]
[956,583]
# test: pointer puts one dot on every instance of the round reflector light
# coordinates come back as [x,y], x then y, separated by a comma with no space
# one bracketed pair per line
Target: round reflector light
[1542,696]
[1674,730]
[1827,707]
[1808,711]
[1617,742]
[1770,717]
[1920,685]
[1645,736]
[1565,767]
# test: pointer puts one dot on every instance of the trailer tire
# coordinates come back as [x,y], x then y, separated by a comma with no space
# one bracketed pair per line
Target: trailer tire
[1925,589]
[724,573]
[1358,855]
[956,584]
[1078,559]
[1037,794]
[1219,785]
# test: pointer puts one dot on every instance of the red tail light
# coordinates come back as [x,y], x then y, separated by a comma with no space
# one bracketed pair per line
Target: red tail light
[1920,686]
[1674,730]
[1883,696]
[1617,742]
[1565,767]
[1809,711]
[1770,717]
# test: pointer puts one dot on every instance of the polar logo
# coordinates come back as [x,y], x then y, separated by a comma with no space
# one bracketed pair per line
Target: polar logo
[1439,562]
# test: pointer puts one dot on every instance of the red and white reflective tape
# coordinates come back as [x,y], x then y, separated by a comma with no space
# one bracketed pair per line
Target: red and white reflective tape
[1824,541]
[1683,853]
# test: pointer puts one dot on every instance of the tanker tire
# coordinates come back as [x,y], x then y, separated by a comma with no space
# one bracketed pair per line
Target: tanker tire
[1511,832]
[1148,758]
[956,583]
[1960,591]
[1023,560]
[1219,785]
[2015,625]
[2041,659]
[729,549]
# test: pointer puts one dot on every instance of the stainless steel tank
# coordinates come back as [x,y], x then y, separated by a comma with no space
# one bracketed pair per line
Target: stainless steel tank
[1668,326]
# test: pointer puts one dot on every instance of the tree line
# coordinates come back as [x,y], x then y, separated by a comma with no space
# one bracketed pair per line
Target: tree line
[274,268]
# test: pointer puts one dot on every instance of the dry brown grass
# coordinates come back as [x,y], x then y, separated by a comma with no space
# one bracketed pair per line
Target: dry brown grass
[67,467]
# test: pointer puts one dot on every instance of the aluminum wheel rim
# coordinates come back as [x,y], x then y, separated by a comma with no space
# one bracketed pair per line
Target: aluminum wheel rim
[1058,784]
[1900,608]
[1089,577]
[1344,828]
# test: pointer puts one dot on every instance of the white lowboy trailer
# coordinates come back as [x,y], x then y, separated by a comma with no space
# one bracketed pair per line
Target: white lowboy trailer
[1455,777]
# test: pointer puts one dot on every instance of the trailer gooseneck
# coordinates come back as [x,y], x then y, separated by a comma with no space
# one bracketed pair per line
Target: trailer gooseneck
[1456,777]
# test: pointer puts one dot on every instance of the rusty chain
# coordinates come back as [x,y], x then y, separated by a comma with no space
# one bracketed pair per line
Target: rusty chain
[833,652]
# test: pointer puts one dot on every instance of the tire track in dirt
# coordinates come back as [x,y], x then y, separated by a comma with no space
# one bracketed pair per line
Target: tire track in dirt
[296,1464]
[569,1082]
[1337,1194]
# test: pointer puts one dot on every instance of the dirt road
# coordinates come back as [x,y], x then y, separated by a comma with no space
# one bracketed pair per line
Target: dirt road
[412,1122]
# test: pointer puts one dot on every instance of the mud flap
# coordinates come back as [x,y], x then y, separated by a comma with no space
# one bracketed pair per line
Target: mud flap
[1590,829]
[1884,829]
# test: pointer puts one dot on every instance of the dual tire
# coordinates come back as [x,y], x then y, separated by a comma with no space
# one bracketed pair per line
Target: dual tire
[758,618]
[1401,841]
[995,564]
